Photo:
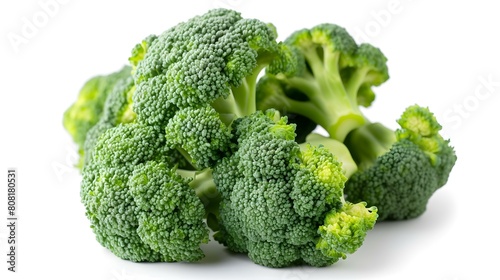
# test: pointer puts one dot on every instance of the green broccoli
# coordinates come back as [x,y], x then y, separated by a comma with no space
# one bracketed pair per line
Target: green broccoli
[81,116]
[138,206]
[323,75]
[399,171]
[146,178]
[198,76]
[188,138]
[284,206]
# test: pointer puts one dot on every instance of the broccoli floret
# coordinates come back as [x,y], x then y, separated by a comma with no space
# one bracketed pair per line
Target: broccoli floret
[338,148]
[170,215]
[399,170]
[277,202]
[199,134]
[82,115]
[323,75]
[199,71]
[138,206]
[206,58]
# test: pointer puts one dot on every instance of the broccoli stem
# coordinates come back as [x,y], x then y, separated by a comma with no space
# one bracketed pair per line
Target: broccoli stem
[227,108]
[355,81]
[369,142]
[204,186]
[241,100]
[336,109]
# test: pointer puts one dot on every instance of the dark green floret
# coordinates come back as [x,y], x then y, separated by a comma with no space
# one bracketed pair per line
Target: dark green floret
[400,170]
[277,201]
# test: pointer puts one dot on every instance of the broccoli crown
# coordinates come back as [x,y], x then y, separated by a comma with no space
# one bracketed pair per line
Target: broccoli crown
[322,74]
[198,61]
[196,77]
[275,198]
[82,115]
[133,196]
[399,171]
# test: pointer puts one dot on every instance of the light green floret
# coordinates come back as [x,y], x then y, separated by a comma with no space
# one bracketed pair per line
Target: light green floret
[82,115]
[344,230]
[117,110]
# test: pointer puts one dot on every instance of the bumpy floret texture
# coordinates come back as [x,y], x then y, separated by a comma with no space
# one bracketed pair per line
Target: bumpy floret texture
[402,179]
[88,109]
[125,190]
[271,194]
[200,133]
[198,61]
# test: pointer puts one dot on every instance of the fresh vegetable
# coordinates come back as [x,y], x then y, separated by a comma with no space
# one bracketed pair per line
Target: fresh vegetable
[188,138]
[399,171]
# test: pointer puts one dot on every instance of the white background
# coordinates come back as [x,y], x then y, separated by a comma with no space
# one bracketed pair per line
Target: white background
[443,55]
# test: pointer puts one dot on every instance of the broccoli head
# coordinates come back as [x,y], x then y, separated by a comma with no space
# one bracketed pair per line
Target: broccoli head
[323,75]
[281,205]
[399,170]
[325,78]
[134,196]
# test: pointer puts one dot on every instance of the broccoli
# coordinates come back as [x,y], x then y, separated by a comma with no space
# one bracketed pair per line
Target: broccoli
[147,184]
[198,76]
[81,116]
[323,75]
[138,206]
[325,78]
[188,138]
[187,108]
[399,170]
[284,206]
